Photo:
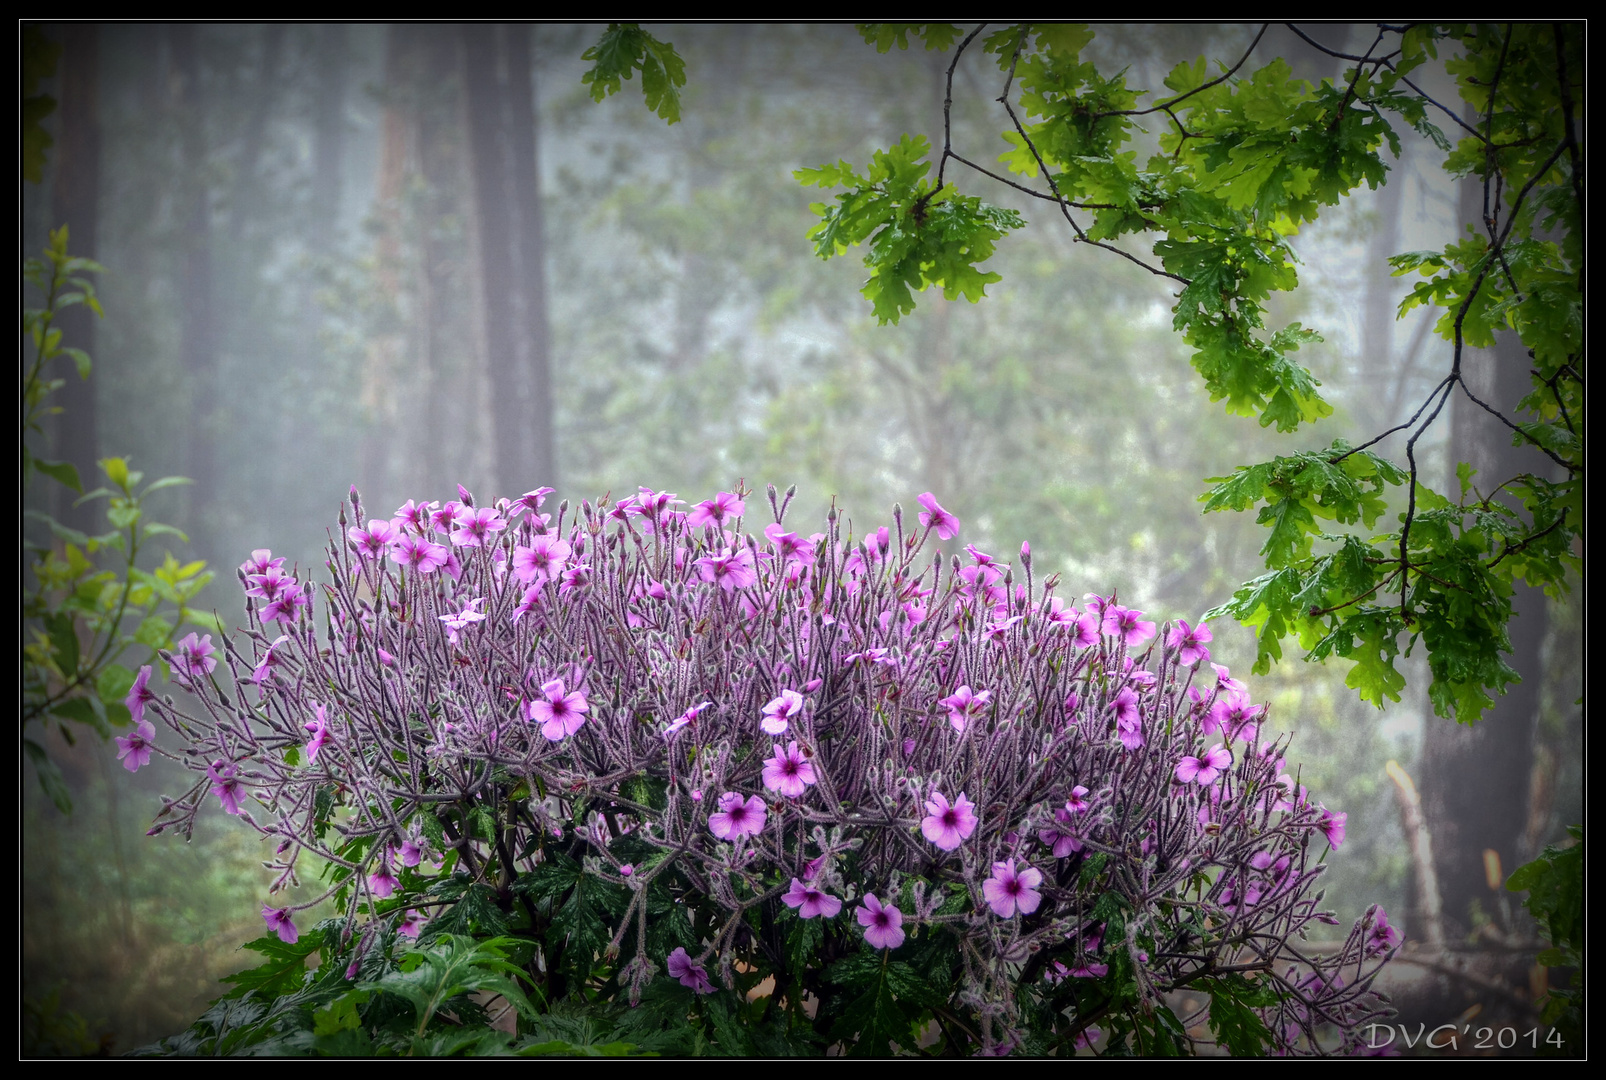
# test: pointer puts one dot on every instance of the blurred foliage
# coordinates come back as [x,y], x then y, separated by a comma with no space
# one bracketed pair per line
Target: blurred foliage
[76,616]
[1554,883]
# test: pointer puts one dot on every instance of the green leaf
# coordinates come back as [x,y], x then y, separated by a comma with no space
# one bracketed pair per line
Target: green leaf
[284,970]
[113,683]
[81,359]
[63,642]
[83,710]
[116,470]
[63,472]
[50,778]
[625,48]
[1233,1019]
[167,482]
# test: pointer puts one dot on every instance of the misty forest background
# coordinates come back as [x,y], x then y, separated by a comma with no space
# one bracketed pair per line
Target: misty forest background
[412,256]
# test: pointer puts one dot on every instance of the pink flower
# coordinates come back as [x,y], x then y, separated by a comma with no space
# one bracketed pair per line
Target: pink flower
[561,714]
[1063,839]
[935,517]
[1380,937]
[319,727]
[542,561]
[883,925]
[789,546]
[716,510]
[135,748]
[226,785]
[738,817]
[411,923]
[1204,770]
[1190,641]
[789,773]
[948,825]
[372,541]
[383,880]
[1332,827]
[1234,715]
[474,527]
[1128,625]
[690,973]
[416,553]
[1084,632]
[1128,721]
[780,710]
[685,718]
[193,658]
[1077,803]
[810,901]
[140,695]
[731,569]
[278,920]
[260,562]
[963,704]
[462,620]
[1009,890]
[411,515]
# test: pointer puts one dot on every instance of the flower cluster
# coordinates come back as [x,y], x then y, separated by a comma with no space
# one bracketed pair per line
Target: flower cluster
[755,729]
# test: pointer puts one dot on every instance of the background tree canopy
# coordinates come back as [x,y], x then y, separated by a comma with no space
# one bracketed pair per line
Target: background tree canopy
[413,256]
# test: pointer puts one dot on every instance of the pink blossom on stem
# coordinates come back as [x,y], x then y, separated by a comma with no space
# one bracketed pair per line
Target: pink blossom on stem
[883,924]
[462,620]
[1190,641]
[319,726]
[1009,890]
[1333,826]
[963,704]
[738,817]
[935,517]
[780,710]
[716,511]
[474,527]
[383,880]
[789,773]
[278,920]
[685,718]
[134,749]
[1128,720]
[946,824]
[810,901]
[542,560]
[690,973]
[732,569]
[373,541]
[260,561]
[226,785]
[1204,770]
[1128,625]
[412,922]
[140,694]
[561,714]
[416,553]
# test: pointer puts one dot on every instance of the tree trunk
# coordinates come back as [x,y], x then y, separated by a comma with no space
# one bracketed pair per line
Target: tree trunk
[198,328]
[1475,780]
[502,147]
[75,195]
[329,136]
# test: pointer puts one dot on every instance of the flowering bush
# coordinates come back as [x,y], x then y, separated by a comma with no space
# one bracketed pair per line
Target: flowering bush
[761,793]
